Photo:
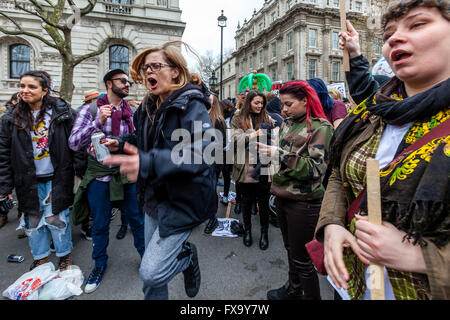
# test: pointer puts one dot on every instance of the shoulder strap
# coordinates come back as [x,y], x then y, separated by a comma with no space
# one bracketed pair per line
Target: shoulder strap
[93,109]
[440,131]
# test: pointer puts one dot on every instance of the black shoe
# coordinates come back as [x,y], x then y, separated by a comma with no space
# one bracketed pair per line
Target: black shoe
[192,276]
[264,241]
[211,226]
[273,220]
[122,232]
[248,238]
[284,293]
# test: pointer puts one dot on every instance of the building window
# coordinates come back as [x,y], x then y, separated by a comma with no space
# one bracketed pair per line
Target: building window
[250,62]
[290,71]
[261,27]
[335,70]
[261,57]
[312,68]
[242,66]
[312,1]
[273,72]
[358,6]
[289,41]
[19,57]
[312,37]
[274,50]
[229,68]
[336,3]
[119,58]
[273,15]
[335,44]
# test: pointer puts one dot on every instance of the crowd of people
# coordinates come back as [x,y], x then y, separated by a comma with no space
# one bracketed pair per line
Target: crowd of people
[298,162]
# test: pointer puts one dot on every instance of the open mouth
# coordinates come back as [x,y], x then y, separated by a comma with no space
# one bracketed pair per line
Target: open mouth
[153,83]
[399,56]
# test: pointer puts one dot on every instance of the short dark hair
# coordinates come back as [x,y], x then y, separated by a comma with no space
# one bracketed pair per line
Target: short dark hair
[399,8]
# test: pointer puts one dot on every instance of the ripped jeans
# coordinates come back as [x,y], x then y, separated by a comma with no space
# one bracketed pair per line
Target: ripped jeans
[59,228]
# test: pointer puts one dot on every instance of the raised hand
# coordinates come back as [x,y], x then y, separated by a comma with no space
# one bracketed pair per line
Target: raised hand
[350,40]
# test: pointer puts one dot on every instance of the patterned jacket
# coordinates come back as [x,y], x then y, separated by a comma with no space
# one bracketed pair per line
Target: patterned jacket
[303,159]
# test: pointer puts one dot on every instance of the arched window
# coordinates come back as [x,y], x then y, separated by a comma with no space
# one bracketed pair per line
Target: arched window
[119,58]
[19,59]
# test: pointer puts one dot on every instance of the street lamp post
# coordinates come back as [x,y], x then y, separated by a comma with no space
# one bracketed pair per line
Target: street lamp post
[222,23]
[213,82]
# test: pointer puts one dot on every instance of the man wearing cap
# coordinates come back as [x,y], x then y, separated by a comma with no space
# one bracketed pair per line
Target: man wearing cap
[102,186]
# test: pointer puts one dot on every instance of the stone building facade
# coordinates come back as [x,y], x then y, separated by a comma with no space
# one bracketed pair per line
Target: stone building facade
[131,24]
[229,78]
[298,39]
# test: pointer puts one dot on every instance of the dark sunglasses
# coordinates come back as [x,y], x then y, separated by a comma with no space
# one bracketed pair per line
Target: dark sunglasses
[124,81]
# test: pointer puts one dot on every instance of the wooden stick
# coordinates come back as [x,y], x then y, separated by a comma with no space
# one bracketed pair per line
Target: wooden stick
[227,215]
[344,29]
[374,206]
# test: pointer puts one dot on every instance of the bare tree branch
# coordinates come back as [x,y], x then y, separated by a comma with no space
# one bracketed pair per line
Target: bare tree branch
[40,16]
[50,3]
[100,50]
[21,31]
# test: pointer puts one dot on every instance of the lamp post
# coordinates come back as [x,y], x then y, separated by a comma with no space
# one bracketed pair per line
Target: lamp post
[222,23]
[213,81]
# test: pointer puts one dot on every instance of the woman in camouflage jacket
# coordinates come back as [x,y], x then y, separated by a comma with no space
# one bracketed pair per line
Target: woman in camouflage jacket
[303,157]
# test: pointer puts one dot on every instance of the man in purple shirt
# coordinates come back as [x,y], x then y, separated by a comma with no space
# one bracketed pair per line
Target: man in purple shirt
[112,115]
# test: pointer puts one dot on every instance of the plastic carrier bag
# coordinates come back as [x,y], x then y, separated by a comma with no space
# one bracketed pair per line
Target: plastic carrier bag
[27,286]
[44,283]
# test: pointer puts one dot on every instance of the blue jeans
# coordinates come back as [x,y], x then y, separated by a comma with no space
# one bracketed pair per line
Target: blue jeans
[101,206]
[60,230]
[160,262]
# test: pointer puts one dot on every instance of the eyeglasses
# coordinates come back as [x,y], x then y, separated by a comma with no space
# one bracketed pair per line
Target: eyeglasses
[124,81]
[155,66]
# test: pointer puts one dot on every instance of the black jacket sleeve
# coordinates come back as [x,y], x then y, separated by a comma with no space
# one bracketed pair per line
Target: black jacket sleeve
[79,157]
[361,84]
[158,163]
[6,171]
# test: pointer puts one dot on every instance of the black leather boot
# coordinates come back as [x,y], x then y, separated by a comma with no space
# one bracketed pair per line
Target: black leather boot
[309,280]
[284,293]
[248,237]
[264,241]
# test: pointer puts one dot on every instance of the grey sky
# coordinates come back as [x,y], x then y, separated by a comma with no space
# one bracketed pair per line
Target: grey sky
[202,31]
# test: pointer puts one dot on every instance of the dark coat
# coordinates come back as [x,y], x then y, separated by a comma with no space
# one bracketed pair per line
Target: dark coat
[361,83]
[17,168]
[183,194]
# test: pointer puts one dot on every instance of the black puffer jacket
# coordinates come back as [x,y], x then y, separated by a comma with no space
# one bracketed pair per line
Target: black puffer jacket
[184,195]
[17,168]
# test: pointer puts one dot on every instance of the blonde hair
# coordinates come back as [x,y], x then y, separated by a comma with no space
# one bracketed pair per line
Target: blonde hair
[174,57]
[335,94]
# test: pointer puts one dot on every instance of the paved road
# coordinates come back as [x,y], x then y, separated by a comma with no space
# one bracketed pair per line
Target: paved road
[230,271]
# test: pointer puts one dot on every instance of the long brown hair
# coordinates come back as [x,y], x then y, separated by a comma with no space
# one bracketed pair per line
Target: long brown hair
[174,58]
[22,112]
[246,114]
[215,113]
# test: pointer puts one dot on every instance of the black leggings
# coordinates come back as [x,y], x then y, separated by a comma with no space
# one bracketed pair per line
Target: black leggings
[298,221]
[251,192]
